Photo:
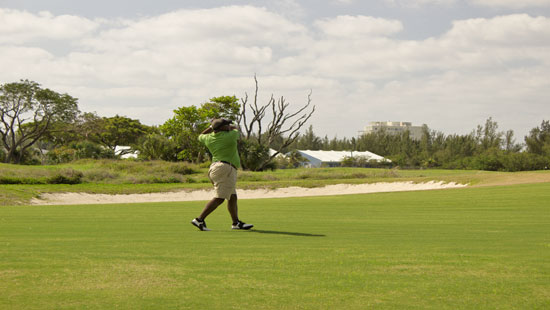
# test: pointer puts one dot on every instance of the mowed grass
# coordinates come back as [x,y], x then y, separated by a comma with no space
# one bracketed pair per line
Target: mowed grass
[469,248]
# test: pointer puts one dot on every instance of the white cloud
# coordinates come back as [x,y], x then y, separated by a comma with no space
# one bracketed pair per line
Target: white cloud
[19,27]
[479,68]
[344,2]
[356,66]
[419,3]
[242,25]
[517,31]
[509,4]
[288,8]
[513,4]
[347,26]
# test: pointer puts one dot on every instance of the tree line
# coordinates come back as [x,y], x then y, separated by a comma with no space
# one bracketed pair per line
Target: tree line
[484,148]
[41,126]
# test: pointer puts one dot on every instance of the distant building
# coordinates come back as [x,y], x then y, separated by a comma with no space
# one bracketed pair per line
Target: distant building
[334,158]
[125,152]
[415,132]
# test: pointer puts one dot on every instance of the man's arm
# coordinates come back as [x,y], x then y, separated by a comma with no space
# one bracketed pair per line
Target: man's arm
[223,128]
[207,130]
[229,128]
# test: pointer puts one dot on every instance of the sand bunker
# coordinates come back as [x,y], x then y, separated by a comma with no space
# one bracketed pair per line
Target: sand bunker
[330,190]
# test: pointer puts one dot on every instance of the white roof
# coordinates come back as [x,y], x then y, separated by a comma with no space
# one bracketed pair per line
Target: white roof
[338,156]
[120,148]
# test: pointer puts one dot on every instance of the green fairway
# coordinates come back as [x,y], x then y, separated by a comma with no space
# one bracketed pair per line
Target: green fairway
[470,248]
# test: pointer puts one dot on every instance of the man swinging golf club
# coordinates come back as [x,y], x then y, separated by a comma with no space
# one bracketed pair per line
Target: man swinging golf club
[221,140]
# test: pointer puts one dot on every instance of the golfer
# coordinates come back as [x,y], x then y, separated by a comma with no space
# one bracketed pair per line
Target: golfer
[221,140]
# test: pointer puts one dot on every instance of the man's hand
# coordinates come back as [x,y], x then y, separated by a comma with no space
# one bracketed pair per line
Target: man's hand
[223,128]
[228,128]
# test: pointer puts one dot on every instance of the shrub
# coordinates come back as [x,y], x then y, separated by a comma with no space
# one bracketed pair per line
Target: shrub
[182,168]
[205,164]
[254,155]
[291,160]
[502,161]
[86,149]
[167,179]
[155,146]
[525,161]
[95,175]
[60,155]
[151,179]
[79,150]
[19,180]
[66,176]
[489,162]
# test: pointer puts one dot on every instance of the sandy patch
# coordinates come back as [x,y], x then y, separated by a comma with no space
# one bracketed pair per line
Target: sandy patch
[330,190]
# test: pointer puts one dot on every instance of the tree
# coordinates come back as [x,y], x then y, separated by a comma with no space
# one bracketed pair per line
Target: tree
[309,141]
[538,140]
[227,107]
[183,129]
[188,122]
[86,126]
[90,136]
[27,112]
[155,146]
[281,124]
[488,137]
[119,130]
[510,144]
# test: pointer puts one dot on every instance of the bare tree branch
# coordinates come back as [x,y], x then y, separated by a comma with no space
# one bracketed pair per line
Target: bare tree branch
[283,125]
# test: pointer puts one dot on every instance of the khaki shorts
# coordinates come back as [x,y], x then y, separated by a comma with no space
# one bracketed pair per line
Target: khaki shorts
[224,178]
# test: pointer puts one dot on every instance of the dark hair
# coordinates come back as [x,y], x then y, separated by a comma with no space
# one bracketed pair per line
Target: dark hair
[219,122]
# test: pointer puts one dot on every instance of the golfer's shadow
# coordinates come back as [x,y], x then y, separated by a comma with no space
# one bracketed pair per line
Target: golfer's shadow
[288,233]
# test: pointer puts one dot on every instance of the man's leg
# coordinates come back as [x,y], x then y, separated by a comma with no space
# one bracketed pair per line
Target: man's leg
[232,208]
[210,207]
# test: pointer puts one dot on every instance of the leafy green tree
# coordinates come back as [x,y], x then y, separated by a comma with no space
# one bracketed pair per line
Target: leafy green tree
[309,141]
[156,146]
[183,129]
[510,144]
[485,148]
[119,130]
[227,107]
[538,140]
[488,136]
[90,136]
[86,126]
[27,112]
[78,150]
[188,122]
[253,155]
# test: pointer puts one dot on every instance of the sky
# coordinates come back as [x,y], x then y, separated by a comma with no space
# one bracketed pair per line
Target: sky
[450,64]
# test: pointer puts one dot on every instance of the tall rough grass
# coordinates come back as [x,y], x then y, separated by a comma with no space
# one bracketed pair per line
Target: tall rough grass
[110,171]
[101,171]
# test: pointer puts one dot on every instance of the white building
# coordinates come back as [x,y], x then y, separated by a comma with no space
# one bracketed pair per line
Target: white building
[126,152]
[415,132]
[333,158]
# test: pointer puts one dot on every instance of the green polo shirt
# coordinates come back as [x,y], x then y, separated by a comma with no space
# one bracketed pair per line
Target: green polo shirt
[223,146]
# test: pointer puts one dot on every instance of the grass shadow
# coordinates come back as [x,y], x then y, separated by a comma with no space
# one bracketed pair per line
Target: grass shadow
[288,233]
